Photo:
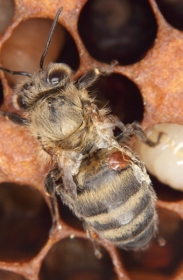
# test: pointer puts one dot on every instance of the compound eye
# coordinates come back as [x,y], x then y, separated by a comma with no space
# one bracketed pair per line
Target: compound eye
[56,76]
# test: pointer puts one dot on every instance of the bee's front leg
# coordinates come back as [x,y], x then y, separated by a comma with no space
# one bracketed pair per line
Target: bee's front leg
[15,118]
[92,75]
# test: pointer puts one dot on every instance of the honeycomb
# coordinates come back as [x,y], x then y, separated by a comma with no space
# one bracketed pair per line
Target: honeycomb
[147,40]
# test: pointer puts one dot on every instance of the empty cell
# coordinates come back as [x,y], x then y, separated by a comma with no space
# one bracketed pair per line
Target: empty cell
[121,95]
[117,29]
[172,12]
[74,259]
[25,221]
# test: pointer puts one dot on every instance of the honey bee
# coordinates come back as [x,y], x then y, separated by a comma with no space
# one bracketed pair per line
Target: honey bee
[97,175]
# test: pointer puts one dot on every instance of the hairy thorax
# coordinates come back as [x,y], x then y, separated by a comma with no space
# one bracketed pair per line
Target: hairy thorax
[59,126]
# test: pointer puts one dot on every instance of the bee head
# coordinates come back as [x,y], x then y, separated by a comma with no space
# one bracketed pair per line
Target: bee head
[42,84]
[29,91]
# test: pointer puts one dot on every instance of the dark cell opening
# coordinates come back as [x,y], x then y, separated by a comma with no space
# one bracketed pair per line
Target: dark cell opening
[172,12]
[8,275]
[74,259]
[164,192]
[117,29]
[69,54]
[1,94]
[25,221]
[158,262]
[121,95]
[6,13]
[68,216]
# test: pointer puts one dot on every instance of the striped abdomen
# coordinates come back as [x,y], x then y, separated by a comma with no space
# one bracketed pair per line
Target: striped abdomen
[116,205]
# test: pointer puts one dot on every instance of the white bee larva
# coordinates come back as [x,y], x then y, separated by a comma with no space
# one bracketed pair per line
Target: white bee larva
[165,161]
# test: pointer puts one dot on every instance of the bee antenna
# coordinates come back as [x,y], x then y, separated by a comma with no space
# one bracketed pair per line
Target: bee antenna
[15,72]
[50,37]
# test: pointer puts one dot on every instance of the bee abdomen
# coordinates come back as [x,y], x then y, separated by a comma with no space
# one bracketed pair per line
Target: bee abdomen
[129,225]
[122,213]
[140,229]
[139,241]
[106,191]
[119,208]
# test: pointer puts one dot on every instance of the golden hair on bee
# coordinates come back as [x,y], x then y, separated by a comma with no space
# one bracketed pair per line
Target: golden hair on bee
[102,180]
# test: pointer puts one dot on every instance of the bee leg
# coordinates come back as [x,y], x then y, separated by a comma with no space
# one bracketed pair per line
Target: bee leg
[50,186]
[69,163]
[69,184]
[103,124]
[136,129]
[92,75]
[92,236]
[115,121]
[15,118]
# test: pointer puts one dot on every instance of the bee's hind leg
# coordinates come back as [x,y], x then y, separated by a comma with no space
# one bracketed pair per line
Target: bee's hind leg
[92,236]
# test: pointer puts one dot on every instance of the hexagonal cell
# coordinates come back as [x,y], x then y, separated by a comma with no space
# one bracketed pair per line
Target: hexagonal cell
[121,95]
[23,50]
[158,262]
[8,275]
[172,11]
[73,259]
[6,13]
[117,29]
[25,222]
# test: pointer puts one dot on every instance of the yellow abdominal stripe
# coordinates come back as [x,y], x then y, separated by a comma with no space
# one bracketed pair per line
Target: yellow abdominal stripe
[128,228]
[123,209]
